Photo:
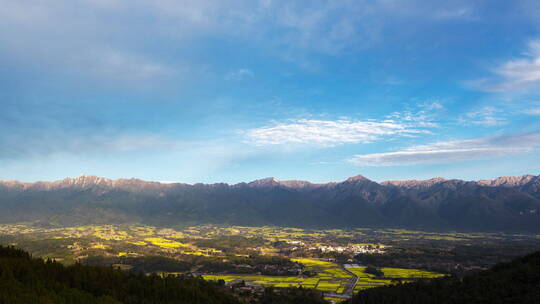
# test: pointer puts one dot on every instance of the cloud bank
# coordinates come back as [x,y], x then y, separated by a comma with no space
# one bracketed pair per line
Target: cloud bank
[451,151]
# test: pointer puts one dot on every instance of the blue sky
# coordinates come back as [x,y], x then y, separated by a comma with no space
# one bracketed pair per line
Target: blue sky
[231,91]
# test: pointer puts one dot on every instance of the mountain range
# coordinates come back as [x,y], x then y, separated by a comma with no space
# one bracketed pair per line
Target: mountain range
[500,204]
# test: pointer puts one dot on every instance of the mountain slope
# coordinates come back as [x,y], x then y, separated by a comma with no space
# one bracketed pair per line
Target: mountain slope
[504,204]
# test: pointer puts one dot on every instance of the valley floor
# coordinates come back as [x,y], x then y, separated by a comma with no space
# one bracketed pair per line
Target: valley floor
[336,262]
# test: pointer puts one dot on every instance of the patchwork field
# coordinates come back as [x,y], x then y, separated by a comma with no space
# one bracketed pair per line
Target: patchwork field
[329,277]
[269,256]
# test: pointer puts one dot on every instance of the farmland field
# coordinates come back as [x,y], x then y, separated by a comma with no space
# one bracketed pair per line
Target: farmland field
[330,277]
[332,261]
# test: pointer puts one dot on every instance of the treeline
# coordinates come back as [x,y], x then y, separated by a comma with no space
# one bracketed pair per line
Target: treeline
[267,265]
[24,279]
[145,264]
[514,282]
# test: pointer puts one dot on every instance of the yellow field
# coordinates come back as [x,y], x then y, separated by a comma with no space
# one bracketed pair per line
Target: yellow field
[165,243]
[313,262]
[99,246]
[328,286]
[365,283]
[360,271]
[267,280]
[324,269]
[333,299]
[331,277]
[198,253]
[405,273]
[139,243]
[368,280]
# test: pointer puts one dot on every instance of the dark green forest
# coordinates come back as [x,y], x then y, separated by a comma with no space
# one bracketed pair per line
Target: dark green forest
[24,279]
[514,282]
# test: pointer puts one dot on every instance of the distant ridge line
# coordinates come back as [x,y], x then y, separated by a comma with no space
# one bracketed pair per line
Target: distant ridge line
[500,204]
[85,180]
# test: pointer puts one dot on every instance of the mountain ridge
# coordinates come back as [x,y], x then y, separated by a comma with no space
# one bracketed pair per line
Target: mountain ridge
[501,204]
[83,180]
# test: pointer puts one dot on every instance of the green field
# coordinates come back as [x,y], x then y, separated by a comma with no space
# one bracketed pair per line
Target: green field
[329,277]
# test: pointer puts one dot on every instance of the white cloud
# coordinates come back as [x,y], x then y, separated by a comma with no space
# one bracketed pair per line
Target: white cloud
[327,133]
[515,74]
[451,151]
[240,74]
[431,106]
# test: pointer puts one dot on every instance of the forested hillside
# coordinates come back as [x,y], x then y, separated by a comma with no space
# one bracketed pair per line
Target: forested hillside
[24,279]
[514,282]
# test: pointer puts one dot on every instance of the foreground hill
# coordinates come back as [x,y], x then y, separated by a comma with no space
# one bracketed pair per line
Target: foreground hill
[27,280]
[503,204]
[514,282]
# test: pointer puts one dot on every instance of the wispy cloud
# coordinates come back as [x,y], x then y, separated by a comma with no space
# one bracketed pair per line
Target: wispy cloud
[519,73]
[452,151]
[486,116]
[452,13]
[68,143]
[327,133]
[65,37]
[46,32]
[532,111]
[239,74]
[116,64]
[423,115]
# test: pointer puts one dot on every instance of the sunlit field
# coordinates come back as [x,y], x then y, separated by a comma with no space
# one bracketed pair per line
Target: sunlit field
[330,277]
[292,257]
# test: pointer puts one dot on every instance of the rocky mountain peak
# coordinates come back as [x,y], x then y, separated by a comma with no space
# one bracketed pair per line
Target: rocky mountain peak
[415,183]
[265,182]
[297,184]
[507,181]
[357,178]
[83,181]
